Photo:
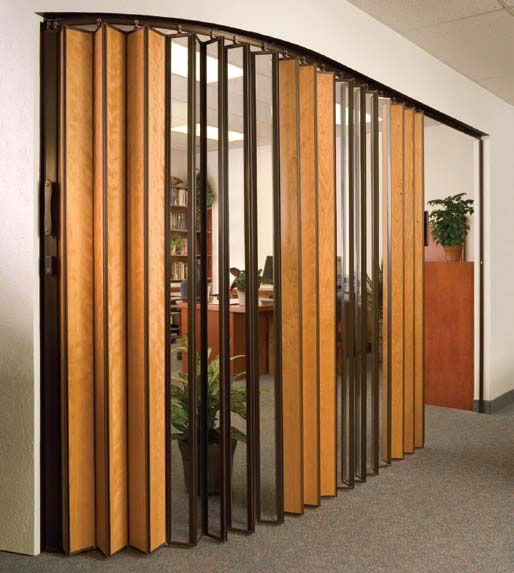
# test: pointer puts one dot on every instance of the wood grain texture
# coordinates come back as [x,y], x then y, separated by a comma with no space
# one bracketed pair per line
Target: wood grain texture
[397,279]
[137,439]
[78,231]
[327,279]
[110,310]
[385,285]
[449,352]
[101,477]
[309,267]
[408,269]
[116,323]
[155,254]
[419,266]
[291,296]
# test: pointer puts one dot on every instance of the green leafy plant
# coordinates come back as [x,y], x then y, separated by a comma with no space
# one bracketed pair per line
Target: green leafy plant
[176,243]
[180,399]
[240,282]
[211,196]
[450,221]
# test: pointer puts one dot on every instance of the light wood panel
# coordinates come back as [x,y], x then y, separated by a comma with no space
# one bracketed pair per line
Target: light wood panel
[77,290]
[309,266]
[327,278]
[101,353]
[136,325]
[419,266]
[408,309]
[155,261]
[397,279]
[291,293]
[110,288]
[146,331]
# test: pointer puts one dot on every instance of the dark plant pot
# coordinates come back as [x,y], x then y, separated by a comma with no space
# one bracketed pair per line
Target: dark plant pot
[453,253]
[213,464]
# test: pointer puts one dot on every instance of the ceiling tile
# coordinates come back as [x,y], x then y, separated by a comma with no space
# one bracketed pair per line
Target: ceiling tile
[409,14]
[479,47]
[502,87]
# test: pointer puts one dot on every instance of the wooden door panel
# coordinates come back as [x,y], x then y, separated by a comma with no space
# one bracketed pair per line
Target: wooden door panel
[146,334]
[155,263]
[408,285]
[309,278]
[327,278]
[419,266]
[397,279]
[291,296]
[110,291]
[136,323]
[77,289]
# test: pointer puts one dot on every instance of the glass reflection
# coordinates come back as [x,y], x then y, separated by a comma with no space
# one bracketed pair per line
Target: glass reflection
[238,514]
[266,382]
[179,258]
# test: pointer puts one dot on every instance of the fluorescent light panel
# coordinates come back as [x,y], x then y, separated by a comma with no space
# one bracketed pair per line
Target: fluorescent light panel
[179,65]
[212,132]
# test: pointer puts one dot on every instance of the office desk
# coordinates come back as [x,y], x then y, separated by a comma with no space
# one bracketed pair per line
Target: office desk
[237,325]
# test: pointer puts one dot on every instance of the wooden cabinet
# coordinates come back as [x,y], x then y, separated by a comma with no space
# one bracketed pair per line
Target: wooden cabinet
[449,339]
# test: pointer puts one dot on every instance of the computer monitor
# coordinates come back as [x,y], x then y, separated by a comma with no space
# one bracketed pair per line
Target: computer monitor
[267,273]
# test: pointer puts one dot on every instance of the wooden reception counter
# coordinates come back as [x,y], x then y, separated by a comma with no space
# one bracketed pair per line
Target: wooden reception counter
[237,319]
[449,338]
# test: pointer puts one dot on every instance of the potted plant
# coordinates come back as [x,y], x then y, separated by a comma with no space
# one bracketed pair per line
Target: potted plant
[180,417]
[176,245]
[369,299]
[450,223]
[240,284]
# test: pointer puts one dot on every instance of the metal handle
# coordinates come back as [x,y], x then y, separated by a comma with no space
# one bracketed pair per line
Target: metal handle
[48,221]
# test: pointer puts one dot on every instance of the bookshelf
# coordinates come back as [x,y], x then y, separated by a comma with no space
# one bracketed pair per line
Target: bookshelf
[179,250]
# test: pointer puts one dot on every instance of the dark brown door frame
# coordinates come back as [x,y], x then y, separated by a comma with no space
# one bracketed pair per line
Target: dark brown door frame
[51,459]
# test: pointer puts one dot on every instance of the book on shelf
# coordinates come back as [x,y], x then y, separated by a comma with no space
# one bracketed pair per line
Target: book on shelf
[178,221]
[178,271]
[178,197]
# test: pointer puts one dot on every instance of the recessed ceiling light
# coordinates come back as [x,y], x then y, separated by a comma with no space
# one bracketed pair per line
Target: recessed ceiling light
[179,65]
[212,132]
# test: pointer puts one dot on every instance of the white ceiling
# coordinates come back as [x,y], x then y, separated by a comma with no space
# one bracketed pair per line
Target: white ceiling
[475,37]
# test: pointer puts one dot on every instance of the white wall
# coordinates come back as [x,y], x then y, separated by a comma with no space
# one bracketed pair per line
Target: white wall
[236,207]
[334,28]
[450,169]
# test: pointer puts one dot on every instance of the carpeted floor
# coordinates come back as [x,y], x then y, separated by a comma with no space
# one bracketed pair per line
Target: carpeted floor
[448,508]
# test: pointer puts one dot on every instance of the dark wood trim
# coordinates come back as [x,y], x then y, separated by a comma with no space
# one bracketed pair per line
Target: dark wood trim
[269,43]
[51,460]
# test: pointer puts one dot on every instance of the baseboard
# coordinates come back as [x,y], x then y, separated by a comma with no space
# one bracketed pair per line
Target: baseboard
[493,406]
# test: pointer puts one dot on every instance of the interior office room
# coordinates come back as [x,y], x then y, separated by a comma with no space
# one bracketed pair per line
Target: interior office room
[256,305]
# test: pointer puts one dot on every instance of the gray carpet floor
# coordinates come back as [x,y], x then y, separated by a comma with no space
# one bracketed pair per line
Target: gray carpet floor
[447,508]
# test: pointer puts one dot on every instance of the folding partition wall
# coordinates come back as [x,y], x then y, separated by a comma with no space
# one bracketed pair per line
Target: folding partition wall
[406,262]
[232,286]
